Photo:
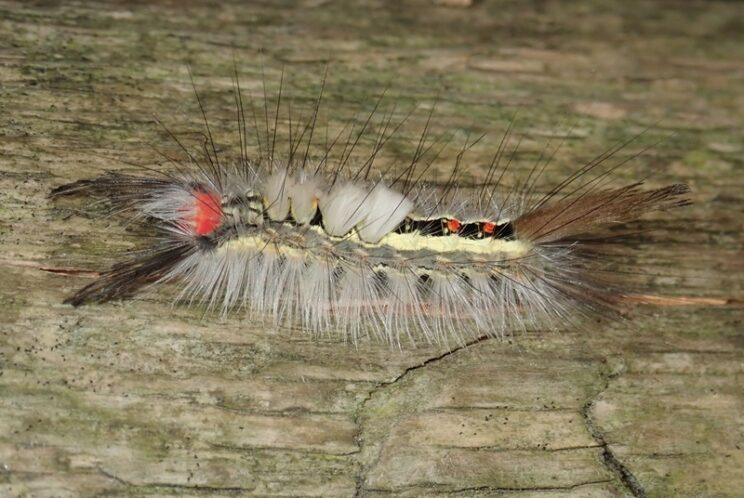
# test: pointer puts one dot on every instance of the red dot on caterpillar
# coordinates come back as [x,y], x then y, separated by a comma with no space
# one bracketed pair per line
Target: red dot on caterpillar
[207,215]
[489,227]
[454,225]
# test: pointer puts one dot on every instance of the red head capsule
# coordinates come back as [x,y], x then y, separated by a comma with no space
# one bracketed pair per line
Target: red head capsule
[207,212]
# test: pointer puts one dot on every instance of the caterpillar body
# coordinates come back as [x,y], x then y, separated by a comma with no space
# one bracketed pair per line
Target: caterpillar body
[297,243]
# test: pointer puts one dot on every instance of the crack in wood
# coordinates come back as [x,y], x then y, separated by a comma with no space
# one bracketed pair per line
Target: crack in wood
[191,487]
[358,437]
[282,449]
[495,489]
[610,460]
[499,449]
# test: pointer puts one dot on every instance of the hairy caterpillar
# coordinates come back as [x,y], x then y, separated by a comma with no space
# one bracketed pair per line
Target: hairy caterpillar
[332,248]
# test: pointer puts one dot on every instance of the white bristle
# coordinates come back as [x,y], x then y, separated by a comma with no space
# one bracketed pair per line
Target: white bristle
[344,207]
[304,194]
[275,191]
[386,209]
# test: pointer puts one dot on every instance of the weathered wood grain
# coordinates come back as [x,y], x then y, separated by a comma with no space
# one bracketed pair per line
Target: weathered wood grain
[142,399]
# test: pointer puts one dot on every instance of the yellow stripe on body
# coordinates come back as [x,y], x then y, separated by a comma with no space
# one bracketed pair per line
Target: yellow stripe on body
[407,242]
[450,243]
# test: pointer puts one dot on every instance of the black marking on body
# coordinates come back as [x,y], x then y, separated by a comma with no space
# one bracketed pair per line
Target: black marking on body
[433,227]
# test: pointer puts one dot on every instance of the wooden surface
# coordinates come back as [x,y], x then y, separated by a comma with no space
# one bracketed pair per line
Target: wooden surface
[140,398]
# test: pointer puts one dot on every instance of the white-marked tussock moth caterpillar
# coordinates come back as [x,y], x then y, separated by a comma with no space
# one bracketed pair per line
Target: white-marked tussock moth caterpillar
[300,240]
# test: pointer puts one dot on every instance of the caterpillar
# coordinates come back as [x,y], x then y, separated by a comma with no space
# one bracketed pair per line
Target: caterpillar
[295,241]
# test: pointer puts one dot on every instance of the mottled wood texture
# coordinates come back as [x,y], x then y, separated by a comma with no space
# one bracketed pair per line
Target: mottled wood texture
[140,398]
